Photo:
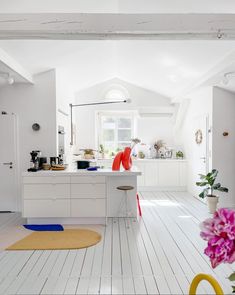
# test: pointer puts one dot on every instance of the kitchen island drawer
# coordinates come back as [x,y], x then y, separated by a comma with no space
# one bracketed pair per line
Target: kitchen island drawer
[46,208]
[46,179]
[88,207]
[88,179]
[46,191]
[95,190]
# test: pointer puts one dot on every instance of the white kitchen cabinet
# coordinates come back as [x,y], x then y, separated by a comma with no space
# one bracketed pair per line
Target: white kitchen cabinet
[46,191]
[168,174]
[46,179]
[75,196]
[46,208]
[183,174]
[88,207]
[151,174]
[162,174]
[88,190]
[87,179]
[46,196]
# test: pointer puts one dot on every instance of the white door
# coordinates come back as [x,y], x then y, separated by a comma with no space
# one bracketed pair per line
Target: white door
[8,173]
[200,148]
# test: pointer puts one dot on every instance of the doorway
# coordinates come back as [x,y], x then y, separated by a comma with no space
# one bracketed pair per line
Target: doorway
[8,163]
[200,147]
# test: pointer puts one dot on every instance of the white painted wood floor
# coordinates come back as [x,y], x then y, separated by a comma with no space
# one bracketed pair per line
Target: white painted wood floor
[160,254]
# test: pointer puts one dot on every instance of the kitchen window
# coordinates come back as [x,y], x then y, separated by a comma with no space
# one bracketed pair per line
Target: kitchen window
[115,131]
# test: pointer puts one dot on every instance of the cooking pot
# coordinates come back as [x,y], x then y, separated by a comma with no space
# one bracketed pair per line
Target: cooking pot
[81,164]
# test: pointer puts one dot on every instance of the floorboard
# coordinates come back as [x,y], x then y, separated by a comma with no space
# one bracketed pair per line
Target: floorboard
[159,254]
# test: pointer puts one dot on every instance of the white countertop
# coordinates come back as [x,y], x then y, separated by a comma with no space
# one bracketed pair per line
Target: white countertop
[149,160]
[81,172]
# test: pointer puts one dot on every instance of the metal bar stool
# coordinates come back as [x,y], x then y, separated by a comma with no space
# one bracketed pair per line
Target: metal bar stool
[126,188]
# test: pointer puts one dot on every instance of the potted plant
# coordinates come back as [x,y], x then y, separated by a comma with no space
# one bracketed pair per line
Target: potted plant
[160,148]
[179,155]
[102,151]
[89,154]
[208,181]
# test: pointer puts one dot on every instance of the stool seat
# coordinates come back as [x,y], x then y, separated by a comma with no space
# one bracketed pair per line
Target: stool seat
[125,188]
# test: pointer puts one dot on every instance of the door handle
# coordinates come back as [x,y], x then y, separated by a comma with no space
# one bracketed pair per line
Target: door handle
[9,163]
[204,159]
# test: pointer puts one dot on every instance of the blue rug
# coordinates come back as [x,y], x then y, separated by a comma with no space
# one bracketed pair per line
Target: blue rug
[44,227]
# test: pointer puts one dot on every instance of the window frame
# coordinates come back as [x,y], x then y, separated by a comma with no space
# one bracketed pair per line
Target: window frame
[116,115]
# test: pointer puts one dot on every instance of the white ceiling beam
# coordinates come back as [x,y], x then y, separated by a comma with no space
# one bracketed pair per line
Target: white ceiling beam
[13,66]
[77,26]
[117,6]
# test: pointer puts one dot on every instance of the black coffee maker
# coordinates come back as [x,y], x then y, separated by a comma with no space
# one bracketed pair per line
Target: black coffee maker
[34,162]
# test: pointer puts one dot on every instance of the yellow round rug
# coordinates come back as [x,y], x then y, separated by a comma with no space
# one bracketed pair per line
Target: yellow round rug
[58,240]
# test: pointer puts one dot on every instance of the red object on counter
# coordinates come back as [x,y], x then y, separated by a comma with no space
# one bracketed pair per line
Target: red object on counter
[126,159]
[117,161]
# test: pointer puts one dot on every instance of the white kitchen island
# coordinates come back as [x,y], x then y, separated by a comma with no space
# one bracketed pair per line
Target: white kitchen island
[77,196]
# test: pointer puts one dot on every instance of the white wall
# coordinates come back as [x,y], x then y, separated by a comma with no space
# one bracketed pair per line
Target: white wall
[33,103]
[224,147]
[219,106]
[200,105]
[148,129]
[64,97]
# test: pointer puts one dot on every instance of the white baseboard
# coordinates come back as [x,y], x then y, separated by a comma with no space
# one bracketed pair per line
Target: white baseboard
[163,188]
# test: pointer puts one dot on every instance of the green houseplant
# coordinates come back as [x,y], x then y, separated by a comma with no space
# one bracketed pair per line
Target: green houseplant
[179,155]
[208,181]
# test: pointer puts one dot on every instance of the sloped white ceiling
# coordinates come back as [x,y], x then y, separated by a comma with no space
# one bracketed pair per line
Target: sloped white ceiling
[166,67]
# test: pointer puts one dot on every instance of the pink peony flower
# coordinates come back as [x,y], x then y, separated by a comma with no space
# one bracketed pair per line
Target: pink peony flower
[219,232]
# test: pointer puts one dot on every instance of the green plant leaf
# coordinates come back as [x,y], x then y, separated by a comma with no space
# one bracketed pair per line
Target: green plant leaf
[233,289]
[216,186]
[201,195]
[208,176]
[214,172]
[232,277]
[214,175]
[204,193]
[202,176]
[223,189]
[201,183]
